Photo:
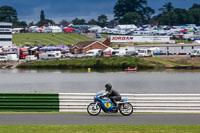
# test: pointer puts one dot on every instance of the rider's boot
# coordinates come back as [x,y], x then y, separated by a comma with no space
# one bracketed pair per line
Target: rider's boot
[116,107]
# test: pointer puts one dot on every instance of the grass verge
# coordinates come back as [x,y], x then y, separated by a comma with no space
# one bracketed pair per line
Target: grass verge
[164,62]
[48,38]
[100,129]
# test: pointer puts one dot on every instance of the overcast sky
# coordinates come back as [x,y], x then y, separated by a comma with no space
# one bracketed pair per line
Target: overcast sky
[29,10]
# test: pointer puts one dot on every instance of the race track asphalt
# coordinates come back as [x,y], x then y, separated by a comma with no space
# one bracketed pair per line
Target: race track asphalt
[102,119]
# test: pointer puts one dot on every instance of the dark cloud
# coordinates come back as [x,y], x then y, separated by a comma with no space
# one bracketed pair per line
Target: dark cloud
[29,10]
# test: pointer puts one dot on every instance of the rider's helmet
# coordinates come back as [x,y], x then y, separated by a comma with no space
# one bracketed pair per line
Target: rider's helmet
[108,87]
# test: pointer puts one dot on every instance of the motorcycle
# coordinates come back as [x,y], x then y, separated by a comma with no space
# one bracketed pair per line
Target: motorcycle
[105,104]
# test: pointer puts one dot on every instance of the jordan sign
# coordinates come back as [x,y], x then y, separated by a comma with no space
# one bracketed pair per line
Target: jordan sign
[121,38]
[143,39]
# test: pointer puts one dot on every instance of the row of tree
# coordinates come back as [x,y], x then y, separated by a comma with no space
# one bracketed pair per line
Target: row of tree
[125,12]
[9,14]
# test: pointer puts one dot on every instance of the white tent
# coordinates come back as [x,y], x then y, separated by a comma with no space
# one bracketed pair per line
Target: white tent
[16,30]
[33,29]
[155,49]
[126,27]
[95,29]
[55,29]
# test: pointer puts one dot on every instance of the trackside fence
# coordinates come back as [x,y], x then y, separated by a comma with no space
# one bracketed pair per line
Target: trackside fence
[24,102]
[176,103]
[78,102]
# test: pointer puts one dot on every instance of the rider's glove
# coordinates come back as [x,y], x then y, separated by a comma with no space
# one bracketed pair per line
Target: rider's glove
[101,97]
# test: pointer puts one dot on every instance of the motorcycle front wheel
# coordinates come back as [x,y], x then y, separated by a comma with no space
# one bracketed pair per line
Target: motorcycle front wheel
[126,109]
[93,109]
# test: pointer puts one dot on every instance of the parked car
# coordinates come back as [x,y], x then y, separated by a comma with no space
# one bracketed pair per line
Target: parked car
[69,55]
[159,53]
[98,35]
[3,58]
[79,55]
[131,53]
[195,53]
[50,55]
[94,53]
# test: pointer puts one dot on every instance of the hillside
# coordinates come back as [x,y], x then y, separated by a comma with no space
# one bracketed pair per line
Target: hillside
[48,38]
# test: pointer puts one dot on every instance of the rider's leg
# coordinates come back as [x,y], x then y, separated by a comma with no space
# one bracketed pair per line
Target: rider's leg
[113,99]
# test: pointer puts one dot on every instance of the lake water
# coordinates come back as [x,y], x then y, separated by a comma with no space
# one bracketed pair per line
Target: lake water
[75,82]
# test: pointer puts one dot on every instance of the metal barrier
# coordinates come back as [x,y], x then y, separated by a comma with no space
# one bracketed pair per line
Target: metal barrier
[78,102]
[178,103]
[27,102]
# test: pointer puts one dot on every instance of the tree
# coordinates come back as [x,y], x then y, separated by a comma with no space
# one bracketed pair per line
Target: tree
[102,20]
[31,24]
[167,7]
[20,24]
[42,16]
[148,12]
[8,14]
[176,17]
[195,16]
[112,23]
[64,22]
[131,18]
[92,22]
[138,6]
[195,5]
[44,21]
[77,21]
[182,16]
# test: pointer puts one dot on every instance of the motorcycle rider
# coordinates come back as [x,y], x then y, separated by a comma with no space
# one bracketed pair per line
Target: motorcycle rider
[112,94]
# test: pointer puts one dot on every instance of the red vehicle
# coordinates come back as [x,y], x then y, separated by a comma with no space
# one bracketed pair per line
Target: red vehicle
[69,29]
[23,52]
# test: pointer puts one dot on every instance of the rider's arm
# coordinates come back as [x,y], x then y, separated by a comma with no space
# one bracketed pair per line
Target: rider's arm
[107,94]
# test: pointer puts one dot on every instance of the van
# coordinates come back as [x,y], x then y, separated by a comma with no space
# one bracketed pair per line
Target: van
[195,53]
[12,57]
[94,53]
[119,52]
[145,53]
[31,58]
[23,52]
[50,55]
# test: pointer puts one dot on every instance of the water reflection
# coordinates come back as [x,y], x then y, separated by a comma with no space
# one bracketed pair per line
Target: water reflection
[56,81]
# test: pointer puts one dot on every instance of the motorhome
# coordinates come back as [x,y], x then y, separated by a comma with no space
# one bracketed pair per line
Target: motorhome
[145,53]
[12,57]
[94,53]
[195,53]
[50,55]
[31,58]
[119,52]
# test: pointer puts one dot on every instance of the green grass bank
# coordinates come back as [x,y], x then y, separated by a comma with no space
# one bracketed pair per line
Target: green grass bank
[48,38]
[100,129]
[95,63]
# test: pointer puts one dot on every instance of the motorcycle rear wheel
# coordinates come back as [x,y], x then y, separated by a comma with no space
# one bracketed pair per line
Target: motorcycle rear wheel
[126,109]
[92,110]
